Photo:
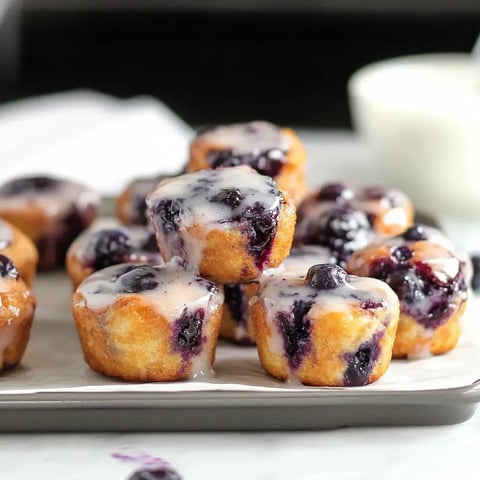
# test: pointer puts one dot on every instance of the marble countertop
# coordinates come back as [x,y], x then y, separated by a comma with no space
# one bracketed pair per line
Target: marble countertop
[390,453]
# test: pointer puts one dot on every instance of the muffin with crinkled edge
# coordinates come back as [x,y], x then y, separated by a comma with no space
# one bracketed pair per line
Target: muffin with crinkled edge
[148,323]
[430,283]
[17,308]
[325,328]
[100,248]
[230,224]
[267,148]
[51,211]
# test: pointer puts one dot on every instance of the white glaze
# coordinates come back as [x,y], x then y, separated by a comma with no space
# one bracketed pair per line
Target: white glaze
[6,235]
[244,138]
[340,299]
[83,246]
[56,201]
[177,289]
[302,258]
[198,209]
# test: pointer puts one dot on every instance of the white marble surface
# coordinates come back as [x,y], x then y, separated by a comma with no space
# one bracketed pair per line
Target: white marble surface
[386,453]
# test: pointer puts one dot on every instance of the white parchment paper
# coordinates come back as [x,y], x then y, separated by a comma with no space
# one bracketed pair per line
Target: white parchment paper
[54,362]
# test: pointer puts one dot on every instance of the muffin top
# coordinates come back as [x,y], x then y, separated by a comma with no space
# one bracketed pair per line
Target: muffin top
[111,246]
[261,145]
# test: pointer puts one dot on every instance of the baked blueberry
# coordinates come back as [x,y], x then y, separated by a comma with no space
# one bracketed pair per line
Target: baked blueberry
[109,247]
[155,473]
[326,276]
[169,213]
[138,278]
[232,197]
[415,233]
[187,336]
[475,282]
[235,300]
[335,192]
[295,327]
[360,364]
[7,268]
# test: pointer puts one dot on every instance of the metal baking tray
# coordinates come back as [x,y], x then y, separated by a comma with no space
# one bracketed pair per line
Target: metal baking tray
[54,390]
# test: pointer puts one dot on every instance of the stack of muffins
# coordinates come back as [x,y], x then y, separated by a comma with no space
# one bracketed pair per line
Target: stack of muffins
[328,284]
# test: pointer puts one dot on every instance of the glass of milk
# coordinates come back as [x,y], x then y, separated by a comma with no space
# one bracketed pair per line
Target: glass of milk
[420,116]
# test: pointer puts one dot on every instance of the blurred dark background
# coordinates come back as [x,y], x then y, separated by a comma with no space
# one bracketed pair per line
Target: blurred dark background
[221,61]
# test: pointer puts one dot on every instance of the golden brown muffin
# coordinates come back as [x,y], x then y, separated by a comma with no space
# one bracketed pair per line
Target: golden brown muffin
[20,249]
[130,206]
[325,329]
[148,323]
[430,283]
[50,211]
[385,211]
[97,249]
[270,150]
[230,223]
[17,307]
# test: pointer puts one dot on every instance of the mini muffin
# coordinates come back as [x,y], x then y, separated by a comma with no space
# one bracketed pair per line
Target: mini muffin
[130,207]
[389,211]
[20,249]
[230,223]
[148,323]
[270,150]
[342,229]
[236,322]
[325,329]
[51,211]
[94,250]
[430,283]
[17,307]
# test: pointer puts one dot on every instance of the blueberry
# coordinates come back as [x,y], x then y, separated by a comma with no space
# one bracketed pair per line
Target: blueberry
[260,227]
[232,197]
[371,304]
[415,233]
[342,229]
[138,279]
[422,294]
[155,473]
[402,254]
[109,247]
[295,327]
[334,192]
[28,185]
[360,363]
[150,244]
[326,277]
[7,268]
[187,332]
[267,162]
[476,272]
[236,301]
[169,213]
